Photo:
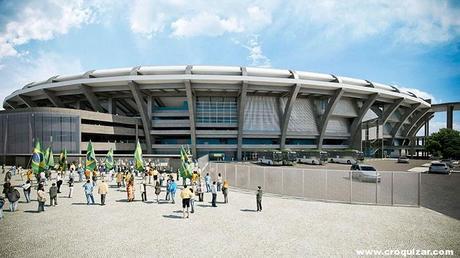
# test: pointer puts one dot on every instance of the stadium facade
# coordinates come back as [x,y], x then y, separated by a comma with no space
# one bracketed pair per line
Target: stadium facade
[235,111]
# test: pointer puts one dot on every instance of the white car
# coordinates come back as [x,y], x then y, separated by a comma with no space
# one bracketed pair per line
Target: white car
[365,173]
[438,167]
[343,160]
[310,160]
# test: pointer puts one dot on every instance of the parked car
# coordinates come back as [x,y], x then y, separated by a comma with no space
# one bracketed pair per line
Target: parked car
[403,160]
[438,167]
[448,162]
[365,173]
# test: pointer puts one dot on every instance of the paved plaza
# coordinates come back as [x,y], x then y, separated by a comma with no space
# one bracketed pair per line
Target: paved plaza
[287,227]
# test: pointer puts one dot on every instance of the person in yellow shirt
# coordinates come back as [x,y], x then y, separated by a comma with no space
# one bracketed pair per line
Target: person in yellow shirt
[185,194]
[102,190]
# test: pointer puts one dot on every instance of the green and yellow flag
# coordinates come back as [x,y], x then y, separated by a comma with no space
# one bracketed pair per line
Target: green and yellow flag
[138,161]
[46,156]
[38,161]
[62,160]
[90,163]
[185,168]
[50,160]
[109,160]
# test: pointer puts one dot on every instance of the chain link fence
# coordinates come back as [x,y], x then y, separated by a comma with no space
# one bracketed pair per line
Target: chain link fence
[381,188]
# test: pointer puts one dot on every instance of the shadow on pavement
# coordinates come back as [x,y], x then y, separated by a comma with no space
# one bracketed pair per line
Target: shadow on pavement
[80,203]
[31,211]
[248,210]
[440,193]
[172,216]
[126,200]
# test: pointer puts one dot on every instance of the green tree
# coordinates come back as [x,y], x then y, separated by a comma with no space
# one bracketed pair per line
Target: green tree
[445,142]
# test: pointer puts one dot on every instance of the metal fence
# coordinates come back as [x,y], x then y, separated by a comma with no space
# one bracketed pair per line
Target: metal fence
[392,187]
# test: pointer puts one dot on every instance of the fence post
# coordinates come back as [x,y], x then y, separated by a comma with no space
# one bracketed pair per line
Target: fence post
[249,177]
[282,180]
[325,190]
[351,186]
[236,175]
[264,180]
[376,187]
[419,186]
[303,183]
[392,187]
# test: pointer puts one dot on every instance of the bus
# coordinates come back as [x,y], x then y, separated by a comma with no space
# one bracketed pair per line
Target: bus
[345,156]
[270,157]
[289,157]
[314,157]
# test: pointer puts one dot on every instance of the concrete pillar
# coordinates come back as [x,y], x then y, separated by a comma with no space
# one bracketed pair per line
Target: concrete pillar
[450,116]
[427,128]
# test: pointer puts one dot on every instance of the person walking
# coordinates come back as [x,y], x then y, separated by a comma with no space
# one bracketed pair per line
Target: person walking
[8,176]
[119,179]
[59,182]
[41,198]
[27,187]
[2,202]
[80,173]
[200,190]
[185,195]
[219,182]
[71,184]
[172,190]
[168,184]
[53,194]
[88,186]
[259,198]
[102,190]
[13,196]
[192,200]
[157,190]
[130,189]
[207,180]
[225,191]
[214,193]
[142,188]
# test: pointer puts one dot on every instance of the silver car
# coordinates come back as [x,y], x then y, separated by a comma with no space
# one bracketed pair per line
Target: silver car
[365,173]
[403,160]
[438,167]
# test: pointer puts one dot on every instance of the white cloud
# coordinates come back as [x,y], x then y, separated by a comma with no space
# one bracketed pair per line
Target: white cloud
[409,21]
[146,19]
[205,24]
[22,71]
[420,93]
[42,21]
[256,55]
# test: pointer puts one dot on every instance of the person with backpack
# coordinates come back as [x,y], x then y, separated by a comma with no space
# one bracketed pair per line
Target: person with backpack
[41,198]
[13,196]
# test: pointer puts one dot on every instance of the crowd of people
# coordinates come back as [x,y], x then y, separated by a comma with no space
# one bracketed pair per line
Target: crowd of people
[124,177]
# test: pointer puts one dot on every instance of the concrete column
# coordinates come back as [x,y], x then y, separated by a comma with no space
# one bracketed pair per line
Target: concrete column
[450,117]
[427,128]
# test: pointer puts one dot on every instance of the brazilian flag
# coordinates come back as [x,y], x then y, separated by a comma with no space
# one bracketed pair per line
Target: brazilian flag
[109,160]
[90,163]
[38,161]
[138,161]
[62,160]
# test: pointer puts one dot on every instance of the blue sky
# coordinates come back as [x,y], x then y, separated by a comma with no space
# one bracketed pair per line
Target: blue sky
[411,43]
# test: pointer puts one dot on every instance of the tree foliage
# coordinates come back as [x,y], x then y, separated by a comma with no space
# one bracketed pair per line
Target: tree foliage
[445,142]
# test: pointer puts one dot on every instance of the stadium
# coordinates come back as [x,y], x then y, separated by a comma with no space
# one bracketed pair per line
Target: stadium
[229,111]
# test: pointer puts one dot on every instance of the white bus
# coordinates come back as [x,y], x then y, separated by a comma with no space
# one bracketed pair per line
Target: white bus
[271,158]
[345,156]
[314,157]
